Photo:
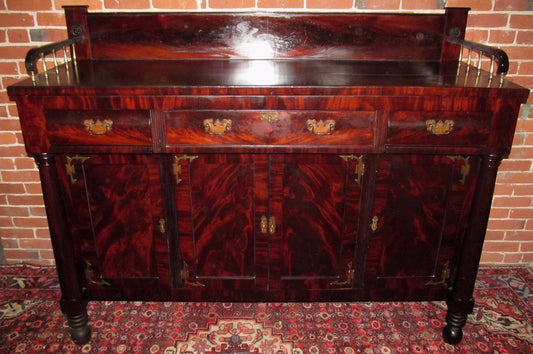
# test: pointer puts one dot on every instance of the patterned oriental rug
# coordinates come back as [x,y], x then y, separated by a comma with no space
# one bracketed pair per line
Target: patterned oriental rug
[31,322]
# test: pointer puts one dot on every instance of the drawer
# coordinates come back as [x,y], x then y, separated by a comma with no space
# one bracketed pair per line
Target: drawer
[271,128]
[106,127]
[439,128]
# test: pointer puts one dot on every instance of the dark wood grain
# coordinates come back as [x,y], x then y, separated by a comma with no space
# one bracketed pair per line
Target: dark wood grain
[368,206]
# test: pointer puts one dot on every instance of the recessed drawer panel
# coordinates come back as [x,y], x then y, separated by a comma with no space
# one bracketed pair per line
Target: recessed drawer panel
[114,128]
[273,128]
[439,128]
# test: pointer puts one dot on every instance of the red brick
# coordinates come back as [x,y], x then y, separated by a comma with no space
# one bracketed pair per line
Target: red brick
[45,19]
[524,189]
[383,5]
[29,5]
[419,4]
[526,247]
[40,243]
[18,35]
[519,51]
[20,176]
[8,68]
[173,4]
[127,4]
[6,221]
[499,213]
[93,4]
[521,21]
[502,36]
[284,4]
[477,35]
[14,52]
[42,233]
[11,188]
[512,258]
[25,163]
[16,20]
[516,202]
[7,164]
[519,235]
[512,5]
[522,213]
[515,165]
[524,37]
[25,199]
[14,211]
[22,255]
[527,257]
[521,153]
[475,5]
[328,4]
[21,233]
[38,211]
[9,243]
[492,20]
[496,246]
[495,235]
[503,189]
[491,258]
[526,68]
[30,222]
[33,188]
[7,138]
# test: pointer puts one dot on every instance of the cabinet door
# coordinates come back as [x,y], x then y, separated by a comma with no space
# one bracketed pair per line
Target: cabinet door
[220,200]
[115,214]
[420,211]
[315,202]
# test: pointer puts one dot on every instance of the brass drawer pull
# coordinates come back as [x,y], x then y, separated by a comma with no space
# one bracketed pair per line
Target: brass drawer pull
[264,224]
[349,277]
[218,127]
[321,127]
[269,117]
[272,225]
[374,224]
[268,225]
[440,127]
[99,127]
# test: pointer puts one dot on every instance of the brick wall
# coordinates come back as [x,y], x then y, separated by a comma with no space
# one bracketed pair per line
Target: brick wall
[26,23]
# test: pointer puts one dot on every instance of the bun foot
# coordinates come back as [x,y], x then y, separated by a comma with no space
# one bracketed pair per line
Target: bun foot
[80,332]
[81,335]
[452,335]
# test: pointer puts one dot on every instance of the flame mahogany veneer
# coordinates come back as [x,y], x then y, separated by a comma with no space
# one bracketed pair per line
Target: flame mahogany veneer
[267,157]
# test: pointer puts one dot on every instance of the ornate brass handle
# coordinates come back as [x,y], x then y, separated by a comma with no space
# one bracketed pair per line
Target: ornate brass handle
[440,127]
[268,225]
[321,127]
[374,224]
[269,117]
[162,226]
[349,277]
[99,127]
[272,225]
[218,127]
[264,224]
[185,276]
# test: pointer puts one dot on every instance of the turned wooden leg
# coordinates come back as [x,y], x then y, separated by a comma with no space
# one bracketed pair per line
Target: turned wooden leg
[73,300]
[460,301]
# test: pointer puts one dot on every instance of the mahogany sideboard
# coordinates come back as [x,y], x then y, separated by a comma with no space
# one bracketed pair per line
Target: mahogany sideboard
[267,156]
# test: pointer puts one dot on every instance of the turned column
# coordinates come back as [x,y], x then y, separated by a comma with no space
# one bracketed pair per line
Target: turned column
[460,300]
[73,300]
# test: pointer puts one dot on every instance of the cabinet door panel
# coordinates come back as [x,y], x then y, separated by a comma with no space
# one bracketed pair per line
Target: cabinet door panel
[217,208]
[114,206]
[315,200]
[419,213]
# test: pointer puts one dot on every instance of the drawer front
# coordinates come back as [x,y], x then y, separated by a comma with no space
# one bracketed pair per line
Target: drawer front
[112,128]
[314,128]
[439,128]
